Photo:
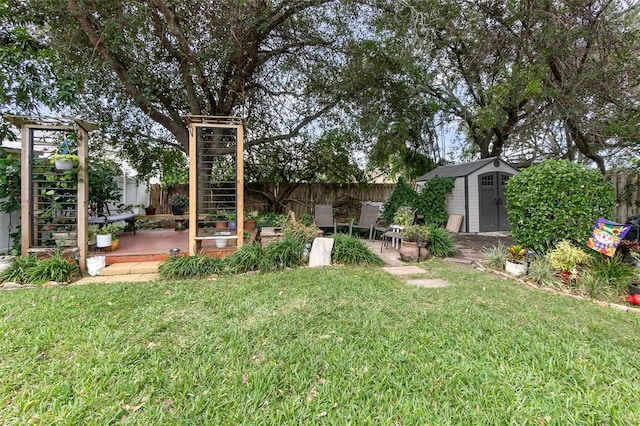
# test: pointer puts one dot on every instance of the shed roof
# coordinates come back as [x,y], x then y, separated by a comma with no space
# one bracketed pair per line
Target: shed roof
[459,170]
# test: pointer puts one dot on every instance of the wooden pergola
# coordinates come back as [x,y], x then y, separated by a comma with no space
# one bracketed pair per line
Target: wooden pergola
[38,141]
[216,178]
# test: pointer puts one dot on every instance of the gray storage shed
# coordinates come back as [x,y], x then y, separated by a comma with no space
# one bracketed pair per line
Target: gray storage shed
[478,194]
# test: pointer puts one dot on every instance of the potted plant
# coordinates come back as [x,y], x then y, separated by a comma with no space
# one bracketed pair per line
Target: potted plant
[250,220]
[178,203]
[221,242]
[414,238]
[106,235]
[516,264]
[103,237]
[230,216]
[220,219]
[150,211]
[65,156]
[404,216]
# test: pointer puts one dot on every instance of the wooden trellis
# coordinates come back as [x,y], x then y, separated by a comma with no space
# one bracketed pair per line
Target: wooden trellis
[216,179]
[53,201]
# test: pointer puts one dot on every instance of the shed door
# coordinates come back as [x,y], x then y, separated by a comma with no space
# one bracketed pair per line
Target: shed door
[492,214]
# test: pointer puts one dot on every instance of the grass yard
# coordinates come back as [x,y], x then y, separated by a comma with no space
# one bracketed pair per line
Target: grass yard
[337,345]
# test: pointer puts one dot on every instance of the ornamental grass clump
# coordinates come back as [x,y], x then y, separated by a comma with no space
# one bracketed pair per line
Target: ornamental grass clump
[351,251]
[285,253]
[494,256]
[440,242]
[198,265]
[30,270]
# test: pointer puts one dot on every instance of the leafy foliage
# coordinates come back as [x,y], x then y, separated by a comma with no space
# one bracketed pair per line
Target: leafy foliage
[103,187]
[9,182]
[432,200]
[566,257]
[556,200]
[413,232]
[402,195]
[351,251]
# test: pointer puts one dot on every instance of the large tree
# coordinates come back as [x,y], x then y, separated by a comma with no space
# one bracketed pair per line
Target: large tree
[147,64]
[510,71]
[28,81]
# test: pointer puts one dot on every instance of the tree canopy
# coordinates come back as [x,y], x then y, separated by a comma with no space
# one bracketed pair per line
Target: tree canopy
[525,80]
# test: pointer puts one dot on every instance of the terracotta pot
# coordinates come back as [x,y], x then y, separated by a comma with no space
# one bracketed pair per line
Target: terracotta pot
[115,244]
[220,224]
[249,225]
[409,252]
[150,211]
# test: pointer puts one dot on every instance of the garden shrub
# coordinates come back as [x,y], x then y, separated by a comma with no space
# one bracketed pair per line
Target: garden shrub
[556,200]
[565,257]
[352,251]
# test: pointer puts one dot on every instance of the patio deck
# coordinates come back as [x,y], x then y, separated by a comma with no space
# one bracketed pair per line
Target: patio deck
[150,245]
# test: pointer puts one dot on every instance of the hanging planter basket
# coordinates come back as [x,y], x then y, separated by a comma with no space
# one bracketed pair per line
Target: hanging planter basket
[64,164]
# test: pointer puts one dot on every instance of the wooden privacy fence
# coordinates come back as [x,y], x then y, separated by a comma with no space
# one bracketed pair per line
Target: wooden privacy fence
[347,198]
[627,187]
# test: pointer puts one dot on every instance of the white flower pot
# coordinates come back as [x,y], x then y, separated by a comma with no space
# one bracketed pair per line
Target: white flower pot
[103,240]
[515,269]
[221,242]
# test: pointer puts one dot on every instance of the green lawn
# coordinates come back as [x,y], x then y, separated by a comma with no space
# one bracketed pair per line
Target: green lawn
[337,345]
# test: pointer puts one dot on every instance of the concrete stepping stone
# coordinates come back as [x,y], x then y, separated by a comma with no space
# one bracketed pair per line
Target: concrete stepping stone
[430,283]
[404,270]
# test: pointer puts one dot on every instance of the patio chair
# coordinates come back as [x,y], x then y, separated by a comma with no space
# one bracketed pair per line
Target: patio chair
[102,219]
[323,217]
[369,215]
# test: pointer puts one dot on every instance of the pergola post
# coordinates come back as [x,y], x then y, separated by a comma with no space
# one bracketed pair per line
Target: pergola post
[212,191]
[32,129]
